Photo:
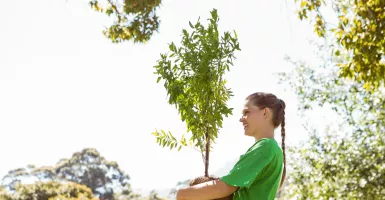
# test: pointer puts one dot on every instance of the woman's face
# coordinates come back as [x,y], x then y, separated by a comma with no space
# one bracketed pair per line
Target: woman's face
[253,119]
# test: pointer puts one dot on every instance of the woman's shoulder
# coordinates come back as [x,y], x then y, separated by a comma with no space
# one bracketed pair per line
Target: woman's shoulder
[266,146]
[265,143]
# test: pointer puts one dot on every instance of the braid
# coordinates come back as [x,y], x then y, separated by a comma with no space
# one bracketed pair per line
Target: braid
[283,147]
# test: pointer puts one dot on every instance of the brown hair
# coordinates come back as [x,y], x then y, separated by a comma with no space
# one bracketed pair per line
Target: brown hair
[277,106]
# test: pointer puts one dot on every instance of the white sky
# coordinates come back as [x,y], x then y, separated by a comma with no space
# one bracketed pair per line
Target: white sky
[65,87]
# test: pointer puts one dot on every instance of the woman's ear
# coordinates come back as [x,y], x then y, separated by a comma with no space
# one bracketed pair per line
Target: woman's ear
[266,112]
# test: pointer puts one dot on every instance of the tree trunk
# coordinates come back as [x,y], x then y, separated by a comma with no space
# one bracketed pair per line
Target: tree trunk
[207,153]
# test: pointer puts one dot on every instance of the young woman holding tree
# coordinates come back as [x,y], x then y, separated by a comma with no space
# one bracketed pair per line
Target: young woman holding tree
[261,170]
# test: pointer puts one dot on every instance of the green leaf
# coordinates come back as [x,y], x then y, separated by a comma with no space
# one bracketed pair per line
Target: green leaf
[236,35]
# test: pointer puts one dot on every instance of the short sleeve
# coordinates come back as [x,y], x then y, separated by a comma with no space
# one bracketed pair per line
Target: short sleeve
[250,165]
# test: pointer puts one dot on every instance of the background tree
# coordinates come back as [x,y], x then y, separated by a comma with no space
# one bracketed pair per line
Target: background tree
[13,177]
[89,168]
[359,32]
[344,161]
[193,78]
[86,167]
[4,194]
[127,193]
[49,191]
[135,20]
[154,196]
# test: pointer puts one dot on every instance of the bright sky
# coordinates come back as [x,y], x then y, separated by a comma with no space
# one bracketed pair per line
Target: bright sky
[65,87]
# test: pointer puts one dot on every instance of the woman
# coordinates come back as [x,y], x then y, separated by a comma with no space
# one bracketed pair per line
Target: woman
[261,170]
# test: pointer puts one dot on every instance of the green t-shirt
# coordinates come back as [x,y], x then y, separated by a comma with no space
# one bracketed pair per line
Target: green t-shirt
[258,172]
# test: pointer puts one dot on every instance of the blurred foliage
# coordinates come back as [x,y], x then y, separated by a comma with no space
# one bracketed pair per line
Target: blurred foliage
[89,168]
[127,193]
[86,167]
[360,32]
[49,191]
[193,77]
[346,160]
[154,196]
[135,20]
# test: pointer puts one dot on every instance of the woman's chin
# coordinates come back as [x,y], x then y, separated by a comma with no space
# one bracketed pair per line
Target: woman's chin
[247,133]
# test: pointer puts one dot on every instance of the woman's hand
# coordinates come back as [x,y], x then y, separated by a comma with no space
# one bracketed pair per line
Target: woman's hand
[209,190]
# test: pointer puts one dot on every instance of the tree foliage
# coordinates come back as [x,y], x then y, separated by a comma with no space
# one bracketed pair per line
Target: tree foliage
[135,20]
[360,33]
[86,167]
[127,193]
[49,191]
[193,77]
[344,161]
[89,168]
[14,177]
[154,196]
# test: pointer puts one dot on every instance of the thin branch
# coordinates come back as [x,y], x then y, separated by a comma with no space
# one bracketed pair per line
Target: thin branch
[114,7]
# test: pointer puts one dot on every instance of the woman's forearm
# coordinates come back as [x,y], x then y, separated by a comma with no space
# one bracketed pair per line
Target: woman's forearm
[205,191]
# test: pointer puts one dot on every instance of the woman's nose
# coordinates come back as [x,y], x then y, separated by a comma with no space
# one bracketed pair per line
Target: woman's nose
[241,119]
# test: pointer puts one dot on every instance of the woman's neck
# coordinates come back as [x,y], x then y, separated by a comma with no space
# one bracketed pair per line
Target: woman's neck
[267,133]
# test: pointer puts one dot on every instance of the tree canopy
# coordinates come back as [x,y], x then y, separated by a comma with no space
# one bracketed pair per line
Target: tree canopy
[358,38]
[49,191]
[87,167]
[135,20]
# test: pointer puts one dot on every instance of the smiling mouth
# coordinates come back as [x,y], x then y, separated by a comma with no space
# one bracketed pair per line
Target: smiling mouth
[245,126]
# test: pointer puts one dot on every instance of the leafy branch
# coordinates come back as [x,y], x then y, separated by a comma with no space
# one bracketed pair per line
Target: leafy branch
[359,32]
[136,20]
